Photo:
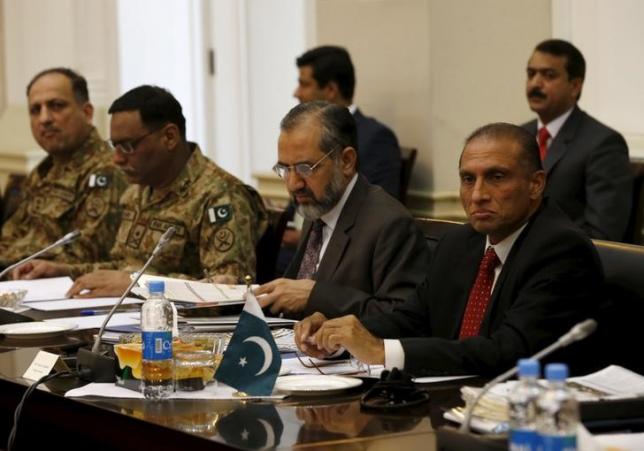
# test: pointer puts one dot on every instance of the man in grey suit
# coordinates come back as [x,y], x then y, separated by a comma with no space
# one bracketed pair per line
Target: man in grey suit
[360,249]
[586,163]
[327,73]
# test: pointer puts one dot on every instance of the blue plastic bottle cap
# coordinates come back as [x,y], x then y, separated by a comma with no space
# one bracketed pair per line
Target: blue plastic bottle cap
[156,286]
[528,367]
[556,371]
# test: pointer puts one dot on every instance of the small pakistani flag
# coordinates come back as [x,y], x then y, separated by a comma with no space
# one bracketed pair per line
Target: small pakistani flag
[252,361]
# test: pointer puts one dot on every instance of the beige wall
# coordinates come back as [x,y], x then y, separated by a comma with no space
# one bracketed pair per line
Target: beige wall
[434,70]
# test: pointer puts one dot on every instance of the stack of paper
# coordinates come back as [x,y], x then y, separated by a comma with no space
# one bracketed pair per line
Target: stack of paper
[610,383]
[190,291]
[227,323]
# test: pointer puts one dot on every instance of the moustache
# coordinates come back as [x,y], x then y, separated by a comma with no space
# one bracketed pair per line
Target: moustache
[536,92]
[302,192]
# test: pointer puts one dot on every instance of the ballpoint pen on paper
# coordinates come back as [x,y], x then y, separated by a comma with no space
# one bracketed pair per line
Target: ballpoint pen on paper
[91,312]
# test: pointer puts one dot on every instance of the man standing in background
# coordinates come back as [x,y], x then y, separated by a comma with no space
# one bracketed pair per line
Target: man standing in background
[586,162]
[326,73]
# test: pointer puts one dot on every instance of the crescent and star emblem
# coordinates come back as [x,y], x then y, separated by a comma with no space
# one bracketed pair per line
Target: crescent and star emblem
[266,349]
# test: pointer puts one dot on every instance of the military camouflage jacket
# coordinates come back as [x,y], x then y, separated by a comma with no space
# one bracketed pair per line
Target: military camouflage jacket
[217,224]
[57,198]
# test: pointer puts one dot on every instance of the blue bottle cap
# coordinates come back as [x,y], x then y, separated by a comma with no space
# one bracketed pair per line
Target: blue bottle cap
[156,286]
[556,371]
[528,368]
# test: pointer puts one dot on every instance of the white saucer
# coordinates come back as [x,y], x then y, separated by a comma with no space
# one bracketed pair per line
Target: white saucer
[315,384]
[35,329]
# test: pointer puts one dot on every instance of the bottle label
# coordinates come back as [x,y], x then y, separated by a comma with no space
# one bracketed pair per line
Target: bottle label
[559,442]
[523,440]
[157,345]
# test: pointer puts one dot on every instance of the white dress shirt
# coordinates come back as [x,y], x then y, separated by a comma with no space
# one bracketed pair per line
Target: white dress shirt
[394,352]
[554,126]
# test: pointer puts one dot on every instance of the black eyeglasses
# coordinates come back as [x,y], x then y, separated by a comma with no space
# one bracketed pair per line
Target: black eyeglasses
[302,169]
[129,146]
[357,366]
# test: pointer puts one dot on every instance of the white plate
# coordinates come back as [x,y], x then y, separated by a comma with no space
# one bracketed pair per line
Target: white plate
[312,385]
[35,329]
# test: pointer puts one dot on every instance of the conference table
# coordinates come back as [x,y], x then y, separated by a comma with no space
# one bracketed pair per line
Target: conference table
[331,422]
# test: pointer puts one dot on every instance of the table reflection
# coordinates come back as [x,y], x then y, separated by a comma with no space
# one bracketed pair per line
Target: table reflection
[252,426]
[347,420]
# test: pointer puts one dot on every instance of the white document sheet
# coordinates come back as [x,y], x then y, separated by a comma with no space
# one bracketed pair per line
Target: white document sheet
[613,380]
[41,289]
[94,322]
[212,391]
[70,304]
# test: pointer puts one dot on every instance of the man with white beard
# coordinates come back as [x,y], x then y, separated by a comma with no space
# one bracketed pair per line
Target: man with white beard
[360,248]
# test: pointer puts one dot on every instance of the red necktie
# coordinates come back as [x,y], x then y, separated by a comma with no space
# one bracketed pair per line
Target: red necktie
[479,296]
[312,251]
[542,138]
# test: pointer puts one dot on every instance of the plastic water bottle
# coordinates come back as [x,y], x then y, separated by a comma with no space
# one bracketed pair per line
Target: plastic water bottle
[522,403]
[557,412]
[156,327]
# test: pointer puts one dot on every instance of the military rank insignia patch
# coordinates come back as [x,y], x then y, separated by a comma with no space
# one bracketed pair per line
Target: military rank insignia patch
[220,214]
[224,239]
[98,181]
[96,207]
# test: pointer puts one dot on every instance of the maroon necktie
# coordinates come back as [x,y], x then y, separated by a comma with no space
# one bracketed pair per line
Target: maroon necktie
[479,296]
[312,251]
[542,138]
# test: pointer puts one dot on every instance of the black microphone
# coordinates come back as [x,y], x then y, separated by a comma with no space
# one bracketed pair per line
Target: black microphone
[71,236]
[91,364]
[578,332]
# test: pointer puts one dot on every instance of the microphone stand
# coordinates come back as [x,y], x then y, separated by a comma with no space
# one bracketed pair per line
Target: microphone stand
[68,238]
[578,332]
[90,363]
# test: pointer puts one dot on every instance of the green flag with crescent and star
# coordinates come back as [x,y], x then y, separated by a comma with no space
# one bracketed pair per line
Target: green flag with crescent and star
[252,361]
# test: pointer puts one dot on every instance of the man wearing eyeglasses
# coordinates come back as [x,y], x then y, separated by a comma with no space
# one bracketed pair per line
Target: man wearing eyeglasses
[358,242]
[76,187]
[217,220]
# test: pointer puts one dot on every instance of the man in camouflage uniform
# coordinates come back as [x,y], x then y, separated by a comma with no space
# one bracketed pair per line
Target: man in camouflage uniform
[217,220]
[75,187]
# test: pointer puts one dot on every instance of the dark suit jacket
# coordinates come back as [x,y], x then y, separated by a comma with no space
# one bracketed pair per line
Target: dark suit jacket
[378,154]
[551,280]
[589,175]
[375,257]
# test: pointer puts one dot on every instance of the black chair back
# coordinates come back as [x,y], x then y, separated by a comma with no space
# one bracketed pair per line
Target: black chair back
[634,232]
[620,321]
[268,247]
[407,160]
